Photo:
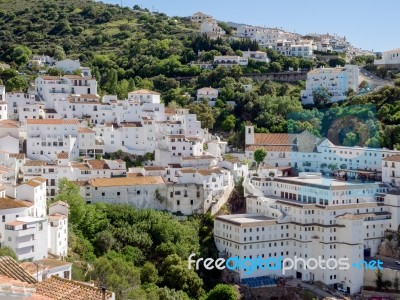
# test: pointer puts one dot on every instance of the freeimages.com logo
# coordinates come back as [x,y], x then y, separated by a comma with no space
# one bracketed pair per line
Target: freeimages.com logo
[280,263]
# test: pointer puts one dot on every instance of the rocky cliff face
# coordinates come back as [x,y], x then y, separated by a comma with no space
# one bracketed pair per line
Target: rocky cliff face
[390,246]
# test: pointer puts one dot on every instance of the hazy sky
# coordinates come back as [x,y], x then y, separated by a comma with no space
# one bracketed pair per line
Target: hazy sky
[368,24]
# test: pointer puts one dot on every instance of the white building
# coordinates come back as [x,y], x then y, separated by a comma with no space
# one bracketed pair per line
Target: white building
[199,17]
[28,237]
[34,191]
[144,96]
[390,59]
[51,88]
[309,153]
[211,29]
[3,103]
[47,137]
[303,48]
[9,136]
[68,65]
[207,93]
[337,81]
[256,55]
[391,170]
[45,268]
[307,217]
[229,61]
[140,192]
[58,228]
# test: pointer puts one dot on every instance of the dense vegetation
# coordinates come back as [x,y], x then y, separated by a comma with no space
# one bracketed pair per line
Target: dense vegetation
[139,254]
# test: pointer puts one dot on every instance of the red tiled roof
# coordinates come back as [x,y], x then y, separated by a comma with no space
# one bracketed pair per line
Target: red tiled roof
[52,121]
[269,148]
[63,155]
[64,289]
[272,139]
[395,158]
[48,77]
[10,268]
[9,124]
[7,203]
[85,130]
[98,164]
[143,91]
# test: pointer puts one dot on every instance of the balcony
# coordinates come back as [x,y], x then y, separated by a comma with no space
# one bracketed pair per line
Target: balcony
[26,244]
[23,232]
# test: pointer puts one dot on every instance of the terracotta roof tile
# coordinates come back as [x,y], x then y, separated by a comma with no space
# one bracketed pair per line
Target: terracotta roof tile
[144,92]
[63,155]
[64,289]
[37,181]
[48,77]
[9,124]
[17,155]
[269,148]
[52,121]
[126,181]
[35,163]
[10,268]
[272,139]
[98,164]
[60,203]
[394,158]
[85,130]
[7,203]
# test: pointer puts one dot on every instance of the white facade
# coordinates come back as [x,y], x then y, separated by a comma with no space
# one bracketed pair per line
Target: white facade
[17,102]
[68,65]
[34,191]
[391,170]
[337,81]
[311,154]
[140,192]
[47,137]
[199,17]
[207,93]
[389,58]
[229,61]
[51,88]
[211,29]
[9,136]
[58,227]
[256,55]
[28,237]
[307,217]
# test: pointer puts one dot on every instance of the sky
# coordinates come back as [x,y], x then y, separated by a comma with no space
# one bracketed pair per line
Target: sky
[367,24]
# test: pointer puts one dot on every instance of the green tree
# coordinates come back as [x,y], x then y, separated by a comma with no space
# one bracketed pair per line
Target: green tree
[69,192]
[229,123]
[148,273]
[7,251]
[20,55]
[222,292]
[259,155]
[17,83]
[350,139]
[204,113]
[379,281]
[103,241]
[321,97]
